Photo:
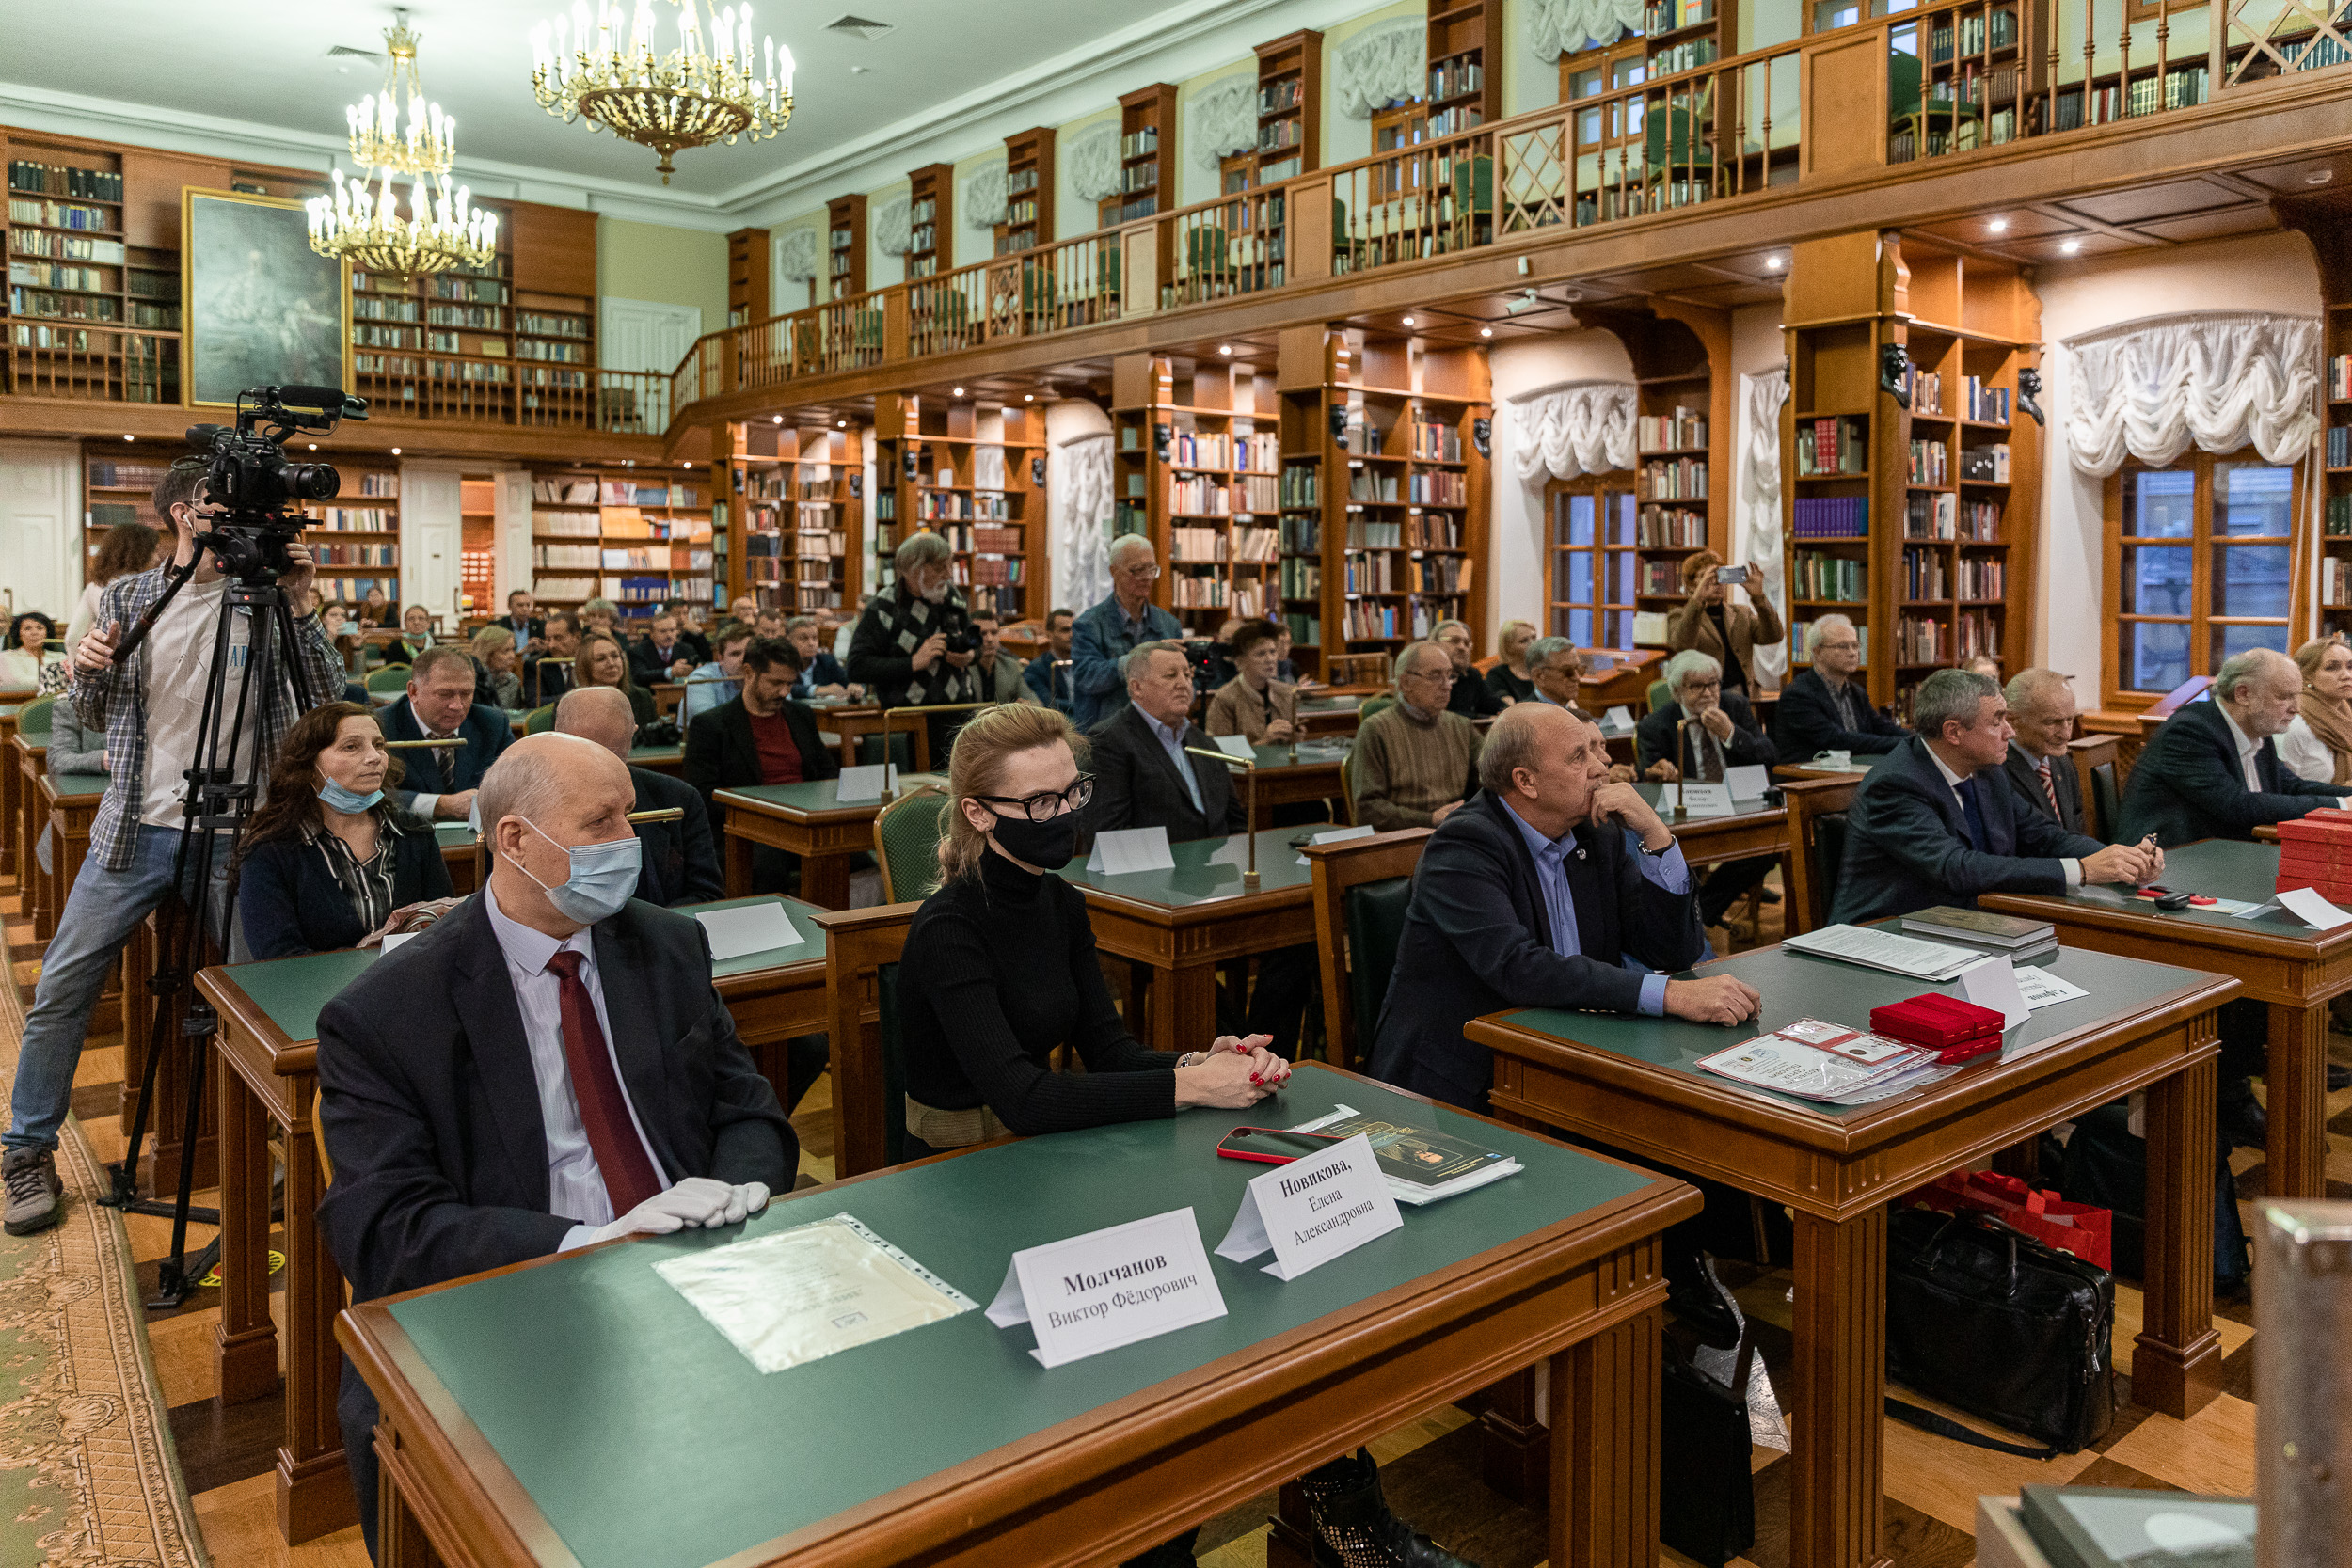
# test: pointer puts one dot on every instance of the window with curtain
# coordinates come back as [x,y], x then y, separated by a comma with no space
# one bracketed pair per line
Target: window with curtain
[1589,565]
[2200,566]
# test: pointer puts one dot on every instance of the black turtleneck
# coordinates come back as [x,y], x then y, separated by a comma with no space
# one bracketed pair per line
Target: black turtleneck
[999,969]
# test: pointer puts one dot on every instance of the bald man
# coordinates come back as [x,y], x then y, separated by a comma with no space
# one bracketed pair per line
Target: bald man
[546,1068]
[681,864]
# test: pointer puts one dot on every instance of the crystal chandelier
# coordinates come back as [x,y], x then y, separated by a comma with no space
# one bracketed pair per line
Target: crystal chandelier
[429,146]
[365,227]
[703,91]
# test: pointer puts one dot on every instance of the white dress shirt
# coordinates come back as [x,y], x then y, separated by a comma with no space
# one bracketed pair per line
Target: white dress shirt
[575,1185]
[2247,752]
[2304,754]
[424,805]
[2074,867]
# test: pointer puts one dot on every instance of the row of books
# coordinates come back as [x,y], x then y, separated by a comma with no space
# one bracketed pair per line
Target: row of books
[125,476]
[1684,430]
[1921,640]
[1669,528]
[1439,487]
[1801,633]
[67,307]
[1367,484]
[355,590]
[1945,517]
[1832,518]
[69,248]
[573,557]
[1979,402]
[2340,446]
[1689,54]
[1431,442]
[1987,465]
[566,525]
[1441,574]
[1836,445]
[1976,36]
[992,571]
[2335,580]
[1433,530]
[1981,578]
[1368,574]
[1665,16]
[1813,576]
[1926,575]
[562,354]
[1930,464]
[477,318]
[39,274]
[1185,592]
[1369,621]
[1450,78]
[59,214]
[1660,579]
[1375,536]
[1303,534]
[379,309]
[1301,484]
[2340,376]
[1303,628]
[1677,479]
[355,519]
[356,555]
[961,506]
[1300,579]
[39,179]
[1257,492]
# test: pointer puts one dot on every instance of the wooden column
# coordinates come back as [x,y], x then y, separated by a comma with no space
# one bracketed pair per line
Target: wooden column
[1603,1468]
[2176,1364]
[2298,1076]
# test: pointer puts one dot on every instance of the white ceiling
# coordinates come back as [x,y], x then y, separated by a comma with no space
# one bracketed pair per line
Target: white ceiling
[251,78]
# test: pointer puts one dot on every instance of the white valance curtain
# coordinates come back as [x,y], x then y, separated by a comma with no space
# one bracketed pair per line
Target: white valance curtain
[1584,427]
[1557,27]
[2223,379]
[1092,158]
[1384,64]
[1221,118]
[1758,492]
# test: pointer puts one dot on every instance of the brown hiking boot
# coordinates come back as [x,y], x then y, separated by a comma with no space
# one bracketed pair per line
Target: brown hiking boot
[35,1195]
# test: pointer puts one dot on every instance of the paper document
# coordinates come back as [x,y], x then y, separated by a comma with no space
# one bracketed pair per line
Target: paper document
[1993,986]
[863,783]
[2313,910]
[747,929]
[398,937]
[1131,849]
[805,1293]
[1236,746]
[1748,782]
[1899,954]
[1337,835]
[2042,989]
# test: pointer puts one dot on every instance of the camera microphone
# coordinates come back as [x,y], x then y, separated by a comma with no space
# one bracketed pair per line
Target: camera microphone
[324,399]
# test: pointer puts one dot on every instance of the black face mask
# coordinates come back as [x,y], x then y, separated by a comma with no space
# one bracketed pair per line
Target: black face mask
[1048,845]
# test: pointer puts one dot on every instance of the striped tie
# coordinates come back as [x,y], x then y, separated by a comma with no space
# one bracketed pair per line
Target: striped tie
[2050,788]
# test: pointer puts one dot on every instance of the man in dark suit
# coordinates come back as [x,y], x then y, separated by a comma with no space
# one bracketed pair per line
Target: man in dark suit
[440,780]
[548,1068]
[2042,710]
[1144,777]
[548,673]
[527,627]
[679,865]
[1926,828]
[664,656]
[2212,771]
[1824,708]
[1700,736]
[759,737]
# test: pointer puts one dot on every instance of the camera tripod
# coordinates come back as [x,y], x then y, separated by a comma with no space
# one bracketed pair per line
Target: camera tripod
[222,790]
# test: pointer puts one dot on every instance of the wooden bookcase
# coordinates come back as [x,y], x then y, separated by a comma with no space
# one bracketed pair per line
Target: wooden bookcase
[1289,108]
[1933,510]
[930,220]
[1029,191]
[77,268]
[2335,505]
[935,470]
[845,247]
[637,536]
[804,515]
[1196,463]
[118,483]
[478,549]
[1465,66]
[1675,37]
[747,277]
[1146,156]
[1681,485]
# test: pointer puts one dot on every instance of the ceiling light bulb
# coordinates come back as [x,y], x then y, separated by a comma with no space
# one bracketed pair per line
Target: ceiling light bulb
[1028,397]
[1486,331]
[1409,320]
[841,424]
[314,445]
[395,452]
[1225,348]
[1771,263]
[129,438]
[2070,246]
[775,418]
[959,392]
[1998,226]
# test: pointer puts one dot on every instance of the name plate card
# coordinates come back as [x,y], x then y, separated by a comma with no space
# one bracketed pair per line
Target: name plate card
[1696,799]
[1312,1210]
[857,785]
[1109,1287]
[1126,850]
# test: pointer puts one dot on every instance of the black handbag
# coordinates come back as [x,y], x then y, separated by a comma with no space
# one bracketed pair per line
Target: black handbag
[1705,1484]
[1998,1324]
[2106,1166]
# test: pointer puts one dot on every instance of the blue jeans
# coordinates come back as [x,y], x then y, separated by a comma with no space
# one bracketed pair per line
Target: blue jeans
[100,914]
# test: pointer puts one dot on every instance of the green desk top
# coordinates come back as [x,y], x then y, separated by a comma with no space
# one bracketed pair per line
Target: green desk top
[644,756]
[816,795]
[1312,753]
[600,1387]
[8,710]
[2221,868]
[78,785]
[810,946]
[1795,986]
[453,835]
[1206,869]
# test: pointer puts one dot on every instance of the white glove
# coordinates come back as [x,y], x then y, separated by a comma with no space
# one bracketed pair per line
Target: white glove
[696,1200]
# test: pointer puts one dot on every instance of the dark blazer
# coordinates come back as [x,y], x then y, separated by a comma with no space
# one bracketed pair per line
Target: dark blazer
[431,1112]
[1477,940]
[1135,783]
[1907,843]
[648,665]
[1807,723]
[2187,784]
[720,753]
[486,732]
[680,864]
[824,669]
[544,683]
[1471,697]
[524,630]
[1654,737]
[291,903]
[2028,780]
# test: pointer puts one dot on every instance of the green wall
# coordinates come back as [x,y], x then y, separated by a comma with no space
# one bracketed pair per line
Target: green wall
[669,266]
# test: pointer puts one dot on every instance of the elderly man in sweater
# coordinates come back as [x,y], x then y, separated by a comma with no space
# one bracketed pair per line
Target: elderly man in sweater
[1415,763]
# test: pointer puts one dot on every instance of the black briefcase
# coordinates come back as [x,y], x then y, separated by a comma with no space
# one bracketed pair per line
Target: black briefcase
[1706,1487]
[1997,1324]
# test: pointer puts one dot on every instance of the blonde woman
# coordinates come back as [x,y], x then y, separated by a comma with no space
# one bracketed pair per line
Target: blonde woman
[1509,680]
[500,682]
[2318,742]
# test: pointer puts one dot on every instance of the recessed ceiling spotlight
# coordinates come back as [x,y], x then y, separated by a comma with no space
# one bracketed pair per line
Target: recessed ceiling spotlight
[959,392]
[686,465]
[1771,263]
[841,424]
[1409,320]
[1486,331]
[1998,226]
[775,418]
[314,445]
[395,452]
[2319,176]
[1028,397]
[128,437]
[1225,348]
[2070,246]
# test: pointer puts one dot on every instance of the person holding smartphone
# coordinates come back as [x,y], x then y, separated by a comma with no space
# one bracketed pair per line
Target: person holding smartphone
[1717,626]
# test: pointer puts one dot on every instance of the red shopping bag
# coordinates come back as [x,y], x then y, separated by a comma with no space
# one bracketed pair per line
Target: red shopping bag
[2078,1228]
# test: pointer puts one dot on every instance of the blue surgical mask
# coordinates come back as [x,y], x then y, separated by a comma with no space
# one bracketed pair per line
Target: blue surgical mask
[343,800]
[603,877]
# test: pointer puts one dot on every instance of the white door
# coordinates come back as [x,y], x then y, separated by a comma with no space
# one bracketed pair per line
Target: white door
[431,531]
[643,334]
[40,526]
[511,500]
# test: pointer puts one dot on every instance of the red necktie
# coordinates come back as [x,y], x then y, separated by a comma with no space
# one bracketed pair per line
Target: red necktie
[2051,790]
[628,1175]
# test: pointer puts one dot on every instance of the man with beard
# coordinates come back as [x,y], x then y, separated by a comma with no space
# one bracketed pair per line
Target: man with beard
[915,644]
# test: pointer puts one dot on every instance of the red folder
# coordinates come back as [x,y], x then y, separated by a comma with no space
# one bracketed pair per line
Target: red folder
[1954,1029]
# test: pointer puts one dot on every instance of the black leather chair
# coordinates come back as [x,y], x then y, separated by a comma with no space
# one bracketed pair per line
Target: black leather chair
[2106,801]
[1362,887]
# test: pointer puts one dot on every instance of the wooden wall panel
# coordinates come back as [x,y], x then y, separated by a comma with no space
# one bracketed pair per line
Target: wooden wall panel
[555,248]
[151,190]
[1846,84]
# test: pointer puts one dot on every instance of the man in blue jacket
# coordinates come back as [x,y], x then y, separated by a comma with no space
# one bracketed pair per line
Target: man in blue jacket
[439,781]
[1113,630]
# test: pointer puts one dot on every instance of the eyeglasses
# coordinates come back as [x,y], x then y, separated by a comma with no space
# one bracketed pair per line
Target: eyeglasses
[1444,677]
[1698,687]
[1141,574]
[1052,803]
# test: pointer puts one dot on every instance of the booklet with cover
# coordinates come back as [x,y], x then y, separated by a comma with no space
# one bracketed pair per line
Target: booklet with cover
[1978,926]
[1932,961]
[1826,1062]
[1420,1164]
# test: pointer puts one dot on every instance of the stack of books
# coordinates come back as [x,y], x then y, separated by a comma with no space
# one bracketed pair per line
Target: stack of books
[2316,852]
[2023,941]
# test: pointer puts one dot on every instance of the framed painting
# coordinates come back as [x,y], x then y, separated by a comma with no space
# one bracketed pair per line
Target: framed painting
[263,308]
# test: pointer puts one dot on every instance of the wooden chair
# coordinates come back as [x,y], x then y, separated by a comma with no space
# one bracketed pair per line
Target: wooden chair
[1811,800]
[387,680]
[862,950]
[906,845]
[2090,754]
[1361,887]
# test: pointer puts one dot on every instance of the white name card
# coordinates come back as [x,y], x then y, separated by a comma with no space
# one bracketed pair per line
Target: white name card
[2313,909]
[1617,721]
[1748,782]
[1992,985]
[747,929]
[396,938]
[1698,799]
[1109,1287]
[1131,849]
[1338,835]
[1312,1210]
[1237,746]
[865,782]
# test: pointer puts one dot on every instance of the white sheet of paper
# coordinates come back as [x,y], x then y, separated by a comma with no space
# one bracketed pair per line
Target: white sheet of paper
[863,782]
[1109,1287]
[747,929]
[1312,1210]
[2313,910]
[1698,799]
[398,937]
[1748,782]
[2042,989]
[1236,746]
[1992,985]
[1338,835]
[1618,720]
[1131,849]
[2238,909]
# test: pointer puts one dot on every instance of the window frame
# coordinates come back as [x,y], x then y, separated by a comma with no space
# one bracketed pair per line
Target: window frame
[1619,482]
[2200,542]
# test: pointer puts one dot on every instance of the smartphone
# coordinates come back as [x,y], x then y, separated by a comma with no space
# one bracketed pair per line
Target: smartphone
[1731,575]
[1273,1145]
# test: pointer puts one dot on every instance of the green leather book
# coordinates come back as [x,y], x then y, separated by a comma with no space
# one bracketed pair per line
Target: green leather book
[2115,1527]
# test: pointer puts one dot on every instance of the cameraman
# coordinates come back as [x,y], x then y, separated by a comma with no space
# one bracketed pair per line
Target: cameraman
[150,710]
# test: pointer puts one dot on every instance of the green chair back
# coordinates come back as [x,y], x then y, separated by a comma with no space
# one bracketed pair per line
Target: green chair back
[390,679]
[1903,86]
[894,1065]
[540,719]
[32,720]
[869,750]
[1659,695]
[2106,801]
[906,842]
[1375,925]
[1474,186]
[867,330]
[1372,706]
[1668,136]
[1205,249]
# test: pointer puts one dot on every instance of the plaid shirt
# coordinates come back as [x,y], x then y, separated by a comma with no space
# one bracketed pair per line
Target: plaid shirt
[114,699]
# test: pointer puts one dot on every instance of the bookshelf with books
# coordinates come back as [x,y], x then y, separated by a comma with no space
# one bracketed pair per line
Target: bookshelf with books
[1290,107]
[84,293]
[972,474]
[845,247]
[930,220]
[354,538]
[1197,466]
[800,494]
[118,487]
[637,536]
[1672,37]
[1146,156]
[1465,53]
[1028,192]
[1681,357]
[2335,505]
[747,277]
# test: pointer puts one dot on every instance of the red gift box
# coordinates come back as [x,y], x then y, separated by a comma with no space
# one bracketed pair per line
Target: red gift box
[1954,1029]
[2086,1231]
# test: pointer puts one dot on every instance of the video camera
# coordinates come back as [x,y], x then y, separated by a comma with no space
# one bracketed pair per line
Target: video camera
[248,471]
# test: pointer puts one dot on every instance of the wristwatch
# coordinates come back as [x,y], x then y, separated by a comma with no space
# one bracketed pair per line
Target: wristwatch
[1654,853]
